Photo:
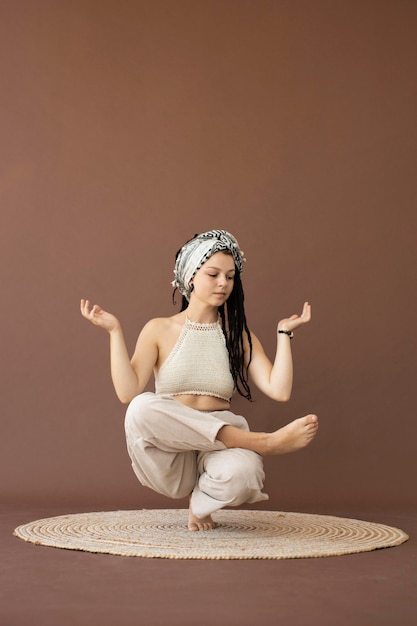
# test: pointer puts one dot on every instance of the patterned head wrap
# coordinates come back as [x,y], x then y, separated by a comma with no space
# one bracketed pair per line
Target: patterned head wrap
[196,252]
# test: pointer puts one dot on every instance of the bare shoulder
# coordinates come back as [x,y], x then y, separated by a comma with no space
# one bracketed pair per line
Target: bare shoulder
[257,349]
[163,332]
[159,325]
[254,340]
[155,338]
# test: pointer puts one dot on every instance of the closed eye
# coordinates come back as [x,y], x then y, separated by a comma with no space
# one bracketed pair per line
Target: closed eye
[215,276]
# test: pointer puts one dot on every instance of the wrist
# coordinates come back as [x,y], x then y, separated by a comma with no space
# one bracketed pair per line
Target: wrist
[115,330]
[283,331]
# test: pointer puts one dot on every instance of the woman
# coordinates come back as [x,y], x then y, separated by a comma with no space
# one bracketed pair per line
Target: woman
[183,439]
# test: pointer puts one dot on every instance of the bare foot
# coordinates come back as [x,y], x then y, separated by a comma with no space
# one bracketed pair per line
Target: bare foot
[293,436]
[196,523]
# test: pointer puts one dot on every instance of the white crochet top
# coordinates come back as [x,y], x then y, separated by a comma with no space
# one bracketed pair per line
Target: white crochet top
[198,364]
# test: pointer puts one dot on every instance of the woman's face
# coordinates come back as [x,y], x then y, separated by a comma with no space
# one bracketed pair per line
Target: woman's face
[213,282]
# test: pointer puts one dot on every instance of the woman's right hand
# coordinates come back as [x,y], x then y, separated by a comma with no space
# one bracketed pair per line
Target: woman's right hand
[97,316]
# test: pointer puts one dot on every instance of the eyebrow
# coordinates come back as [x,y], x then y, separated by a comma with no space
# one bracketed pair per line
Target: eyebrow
[213,267]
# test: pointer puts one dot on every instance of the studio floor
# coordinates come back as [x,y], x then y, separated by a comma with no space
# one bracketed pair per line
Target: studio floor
[43,586]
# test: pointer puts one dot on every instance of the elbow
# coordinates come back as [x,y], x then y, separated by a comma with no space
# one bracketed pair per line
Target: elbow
[282,397]
[126,393]
[125,398]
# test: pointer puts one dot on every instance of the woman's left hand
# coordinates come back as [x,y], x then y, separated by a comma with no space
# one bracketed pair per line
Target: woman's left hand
[293,322]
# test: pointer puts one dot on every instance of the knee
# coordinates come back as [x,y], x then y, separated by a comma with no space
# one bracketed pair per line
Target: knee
[238,478]
[253,470]
[247,474]
[138,414]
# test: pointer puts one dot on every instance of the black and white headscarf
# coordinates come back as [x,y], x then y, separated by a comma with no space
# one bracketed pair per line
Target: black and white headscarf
[196,252]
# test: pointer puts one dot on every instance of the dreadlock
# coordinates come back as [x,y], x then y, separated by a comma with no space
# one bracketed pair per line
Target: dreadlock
[232,315]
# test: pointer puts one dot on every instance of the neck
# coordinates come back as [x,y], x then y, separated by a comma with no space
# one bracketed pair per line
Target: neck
[202,315]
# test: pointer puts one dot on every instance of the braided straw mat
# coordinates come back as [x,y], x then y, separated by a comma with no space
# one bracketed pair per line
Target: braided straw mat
[239,534]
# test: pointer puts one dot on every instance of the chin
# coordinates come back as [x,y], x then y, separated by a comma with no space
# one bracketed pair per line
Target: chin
[220,302]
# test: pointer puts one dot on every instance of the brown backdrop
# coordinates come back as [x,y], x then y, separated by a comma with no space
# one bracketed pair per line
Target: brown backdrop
[129,125]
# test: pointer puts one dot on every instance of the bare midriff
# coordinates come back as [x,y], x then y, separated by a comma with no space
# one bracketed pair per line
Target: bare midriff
[203,403]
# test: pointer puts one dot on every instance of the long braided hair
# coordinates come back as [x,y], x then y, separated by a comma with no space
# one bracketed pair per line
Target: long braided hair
[233,318]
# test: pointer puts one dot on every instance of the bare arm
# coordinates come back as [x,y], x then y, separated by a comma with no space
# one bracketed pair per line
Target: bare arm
[129,377]
[275,379]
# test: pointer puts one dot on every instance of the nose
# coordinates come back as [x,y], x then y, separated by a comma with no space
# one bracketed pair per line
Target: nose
[221,280]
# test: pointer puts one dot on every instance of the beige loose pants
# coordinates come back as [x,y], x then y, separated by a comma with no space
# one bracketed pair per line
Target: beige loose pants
[174,451]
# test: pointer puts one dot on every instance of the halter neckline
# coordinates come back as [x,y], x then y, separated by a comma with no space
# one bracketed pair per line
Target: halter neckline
[197,325]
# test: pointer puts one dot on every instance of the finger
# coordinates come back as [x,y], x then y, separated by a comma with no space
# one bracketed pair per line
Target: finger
[84,307]
[306,314]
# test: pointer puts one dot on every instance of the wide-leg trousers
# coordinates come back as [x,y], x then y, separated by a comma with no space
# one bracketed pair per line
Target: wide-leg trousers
[174,451]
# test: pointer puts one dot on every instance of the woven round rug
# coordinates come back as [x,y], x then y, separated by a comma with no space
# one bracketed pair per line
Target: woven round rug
[163,533]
